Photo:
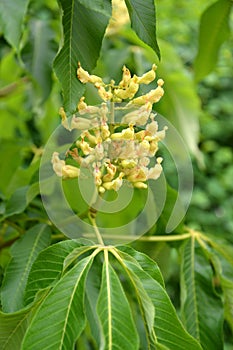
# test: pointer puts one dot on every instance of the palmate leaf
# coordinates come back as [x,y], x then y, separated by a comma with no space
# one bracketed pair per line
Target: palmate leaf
[60,319]
[202,308]
[168,330]
[47,267]
[118,327]
[83,29]
[24,253]
[11,16]
[143,21]
[212,36]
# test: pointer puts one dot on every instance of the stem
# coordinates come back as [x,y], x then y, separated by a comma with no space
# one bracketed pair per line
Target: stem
[148,238]
[97,232]
[112,116]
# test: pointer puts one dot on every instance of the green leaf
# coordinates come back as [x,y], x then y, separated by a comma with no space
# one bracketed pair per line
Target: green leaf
[17,203]
[47,267]
[11,16]
[24,253]
[83,29]
[146,307]
[60,319]
[92,293]
[147,264]
[202,308]
[114,312]
[102,6]
[221,257]
[12,329]
[214,30]
[38,55]
[20,199]
[168,329]
[143,21]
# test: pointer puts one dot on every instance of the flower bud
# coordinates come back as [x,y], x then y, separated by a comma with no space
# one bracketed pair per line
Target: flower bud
[105,95]
[126,76]
[70,172]
[64,118]
[140,184]
[148,77]
[80,123]
[114,184]
[57,163]
[82,74]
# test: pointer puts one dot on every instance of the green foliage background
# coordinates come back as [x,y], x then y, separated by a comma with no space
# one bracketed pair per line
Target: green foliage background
[197,67]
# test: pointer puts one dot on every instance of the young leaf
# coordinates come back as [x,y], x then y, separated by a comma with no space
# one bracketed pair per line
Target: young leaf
[47,267]
[202,308]
[143,21]
[11,16]
[212,36]
[168,329]
[114,312]
[84,29]
[60,319]
[24,253]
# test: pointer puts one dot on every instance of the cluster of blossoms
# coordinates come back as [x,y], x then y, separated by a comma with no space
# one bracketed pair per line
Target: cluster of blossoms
[115,151]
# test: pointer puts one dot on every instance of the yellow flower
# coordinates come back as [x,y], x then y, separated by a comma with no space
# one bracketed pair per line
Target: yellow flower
[114,184]
[148,77]
[70,172]
[105,95]
[125,134]
[126,76]
[57,163]
[64,119]
[85,77]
